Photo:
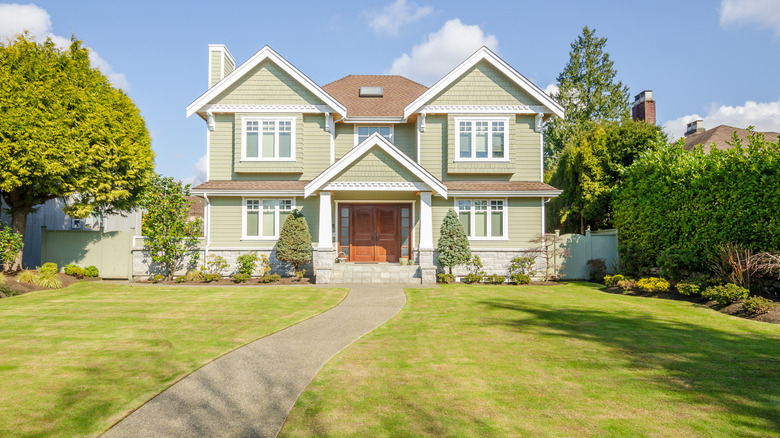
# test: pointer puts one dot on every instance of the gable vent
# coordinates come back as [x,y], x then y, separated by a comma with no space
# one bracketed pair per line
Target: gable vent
[371,92]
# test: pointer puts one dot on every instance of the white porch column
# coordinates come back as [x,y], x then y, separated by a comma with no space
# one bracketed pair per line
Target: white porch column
[426,221]
[325,224]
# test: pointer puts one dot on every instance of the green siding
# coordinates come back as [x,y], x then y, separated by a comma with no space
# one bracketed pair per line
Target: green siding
[229,67]
[261,167]
[345,139]
[215,65]
[267,84]
[376,165]
[316,143]
[483,84]
[221,148]
[405,139]
[433,145]
[524,217]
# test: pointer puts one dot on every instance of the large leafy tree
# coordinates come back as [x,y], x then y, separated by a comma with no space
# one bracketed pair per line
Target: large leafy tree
[588,92]
[591,168]
[66,132]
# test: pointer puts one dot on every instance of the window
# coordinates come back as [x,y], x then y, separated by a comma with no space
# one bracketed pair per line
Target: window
[482,219]
[480,139]
[363,132]
[263,218]
[268,139]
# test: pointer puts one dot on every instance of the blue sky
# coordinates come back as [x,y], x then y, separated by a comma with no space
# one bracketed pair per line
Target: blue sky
[702,59]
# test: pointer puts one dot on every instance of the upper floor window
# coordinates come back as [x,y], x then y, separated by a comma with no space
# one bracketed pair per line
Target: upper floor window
[263,218]
[267,138]
[483,219]
[363,132]
[481,139]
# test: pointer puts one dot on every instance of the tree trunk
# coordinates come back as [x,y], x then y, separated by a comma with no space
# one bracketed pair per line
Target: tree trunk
[19,226]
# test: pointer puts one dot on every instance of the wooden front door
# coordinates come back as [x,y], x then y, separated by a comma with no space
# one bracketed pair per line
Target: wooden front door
[375,233]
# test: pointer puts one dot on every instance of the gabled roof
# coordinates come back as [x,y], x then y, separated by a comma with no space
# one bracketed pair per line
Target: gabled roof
[374,140]
[721,135]
[485,54]
[266,53]
[398,92]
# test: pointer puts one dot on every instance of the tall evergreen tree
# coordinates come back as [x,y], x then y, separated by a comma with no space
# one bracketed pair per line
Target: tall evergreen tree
[588,92]
[294,245]
[453,246]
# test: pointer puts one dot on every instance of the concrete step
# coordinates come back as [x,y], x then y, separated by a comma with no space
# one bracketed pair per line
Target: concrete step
[376,273]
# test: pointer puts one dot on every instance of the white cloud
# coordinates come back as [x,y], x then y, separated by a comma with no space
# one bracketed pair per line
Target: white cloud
[442,51]
[16,18]
[396,15]
[762,13]
[200,169]
[551,89]
[764,116]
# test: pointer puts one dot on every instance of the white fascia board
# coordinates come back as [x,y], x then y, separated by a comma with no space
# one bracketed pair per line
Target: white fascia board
[374,120]
[264,53]
[509,194]
[222,48]
[485,54]
[375,140]
[217,192]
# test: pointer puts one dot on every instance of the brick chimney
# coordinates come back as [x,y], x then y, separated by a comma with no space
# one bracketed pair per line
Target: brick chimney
[644,107]
[694,127]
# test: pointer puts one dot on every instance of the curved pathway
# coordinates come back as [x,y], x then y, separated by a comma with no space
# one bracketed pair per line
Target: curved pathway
[250,391]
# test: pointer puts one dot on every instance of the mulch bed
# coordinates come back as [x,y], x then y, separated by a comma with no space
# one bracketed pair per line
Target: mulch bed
[773,316]
[23,288]
[228,282]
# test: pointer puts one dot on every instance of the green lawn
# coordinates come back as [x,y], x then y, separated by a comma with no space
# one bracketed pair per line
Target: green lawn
[76,360]
[549,361]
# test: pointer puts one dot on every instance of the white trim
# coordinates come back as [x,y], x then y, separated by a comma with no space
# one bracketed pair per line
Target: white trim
[374,120]
[276,121]
[412,202]
[541,146]
[505,218]
[330,126]
[489,158]
[207,219]
[377,186]
[543,216]
[485,54]
[325,224]
[277,225]
[377,125]
[247,193]
[256,108]
[426,221]
[420,129]
[375,140]
[482,109]
[208,154]
[508,194]
[266,53]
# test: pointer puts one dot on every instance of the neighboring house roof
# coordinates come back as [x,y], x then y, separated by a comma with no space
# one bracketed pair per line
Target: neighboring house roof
[398,93]
[265,53]
[375,140]
[485,54]
[721,136]
[222,187]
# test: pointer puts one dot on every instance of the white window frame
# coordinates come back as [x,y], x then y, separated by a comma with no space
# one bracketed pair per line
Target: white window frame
[260,121]
[471,232]
[277,225]
[489,158]
[392,131]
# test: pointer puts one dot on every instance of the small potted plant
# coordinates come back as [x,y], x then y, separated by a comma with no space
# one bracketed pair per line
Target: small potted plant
[403,261]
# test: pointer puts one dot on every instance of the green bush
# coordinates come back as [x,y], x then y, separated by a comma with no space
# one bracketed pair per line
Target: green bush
[49,268]
[194,275]
[208,278]
[2,278]
[522,266]
[74,271]
[758,305]
[214,265]
[688,289]
[6,290]
[294,244]
[247,263]
[520,279]
[676,263]
[653,284]
[180,279]
[613,280]
[270,278]
[446,278]
[240,277]
[598,269]
[476,273]
[27,277]
[472,278]
[453,245]
[495,279]
[91,271]
[48,281]
[725,295]
[10,245]
[157,278]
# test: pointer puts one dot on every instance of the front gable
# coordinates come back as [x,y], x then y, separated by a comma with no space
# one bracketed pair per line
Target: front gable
[267,84]
[375,165]
[483,84]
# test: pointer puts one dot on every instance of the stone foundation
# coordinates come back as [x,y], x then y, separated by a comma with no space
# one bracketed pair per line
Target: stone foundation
[497,261]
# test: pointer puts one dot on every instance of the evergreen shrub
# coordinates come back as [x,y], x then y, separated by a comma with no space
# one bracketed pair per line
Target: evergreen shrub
[725,295]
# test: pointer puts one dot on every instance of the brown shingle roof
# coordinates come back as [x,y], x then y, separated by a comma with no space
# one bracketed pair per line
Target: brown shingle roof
[398,93]
[720,135]
[498,186]
[252,185]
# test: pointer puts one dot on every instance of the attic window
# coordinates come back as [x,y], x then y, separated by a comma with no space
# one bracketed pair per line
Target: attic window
[371,92]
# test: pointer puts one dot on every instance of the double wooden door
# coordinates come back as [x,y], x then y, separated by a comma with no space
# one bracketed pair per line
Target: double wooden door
[375,233]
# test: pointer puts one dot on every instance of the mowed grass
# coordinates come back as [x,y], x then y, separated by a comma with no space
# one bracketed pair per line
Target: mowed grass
[563,361]
[76,360]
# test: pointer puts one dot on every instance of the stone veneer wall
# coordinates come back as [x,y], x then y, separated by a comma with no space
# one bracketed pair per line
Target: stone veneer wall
[497,260]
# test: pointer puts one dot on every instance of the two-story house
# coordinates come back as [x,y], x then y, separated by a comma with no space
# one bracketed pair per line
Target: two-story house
[373,162]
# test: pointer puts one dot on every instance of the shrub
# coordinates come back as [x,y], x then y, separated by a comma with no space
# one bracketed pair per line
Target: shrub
[472,278]
[2,278]
[299,274]
[476,273]
[240,277]
[194,275]
[688,289]
[627,284]
[725,295]
[653,284]
[270,278]
[27,277]
[180,279]
[208,278]
[758,305]
[446,278]
[74,271]
[676,263]
[522,265]
[91,271]
[49,281]
[10,245]
[157,278]
[214,265]
[6,290]
[453,245]
[495,279]
[263,266]
[49,268]
[613,280]
[598,269]
[520,278]
[247,263]
[294,244]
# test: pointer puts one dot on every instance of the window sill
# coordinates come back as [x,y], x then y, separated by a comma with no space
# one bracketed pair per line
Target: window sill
[488,238]
[481,160]
[267,160]
[259,239]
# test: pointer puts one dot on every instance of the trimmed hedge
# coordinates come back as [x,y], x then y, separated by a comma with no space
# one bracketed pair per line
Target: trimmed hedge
[693,202]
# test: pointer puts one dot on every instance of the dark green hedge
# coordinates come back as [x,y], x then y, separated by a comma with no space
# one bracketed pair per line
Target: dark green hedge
[693,202]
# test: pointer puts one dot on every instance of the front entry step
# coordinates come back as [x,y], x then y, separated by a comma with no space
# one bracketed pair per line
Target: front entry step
[376,273]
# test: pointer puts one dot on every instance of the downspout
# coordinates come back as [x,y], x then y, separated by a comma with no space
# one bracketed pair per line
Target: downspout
[208,223]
